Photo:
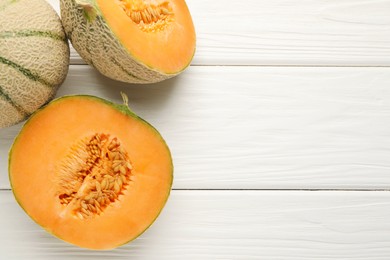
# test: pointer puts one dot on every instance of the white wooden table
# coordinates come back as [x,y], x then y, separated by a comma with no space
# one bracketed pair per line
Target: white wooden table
[280,133]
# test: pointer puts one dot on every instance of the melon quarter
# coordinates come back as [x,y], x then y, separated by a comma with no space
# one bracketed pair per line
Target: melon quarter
[34,57]
[135,41]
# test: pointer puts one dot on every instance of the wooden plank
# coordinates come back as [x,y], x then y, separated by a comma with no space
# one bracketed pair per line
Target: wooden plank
[259,127]
[280,32]
[230,225]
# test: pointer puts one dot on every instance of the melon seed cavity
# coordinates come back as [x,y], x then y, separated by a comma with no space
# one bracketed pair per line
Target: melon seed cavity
[95,173]
[150,17]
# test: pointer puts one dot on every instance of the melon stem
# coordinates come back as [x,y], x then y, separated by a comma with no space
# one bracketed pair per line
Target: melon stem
[125,99]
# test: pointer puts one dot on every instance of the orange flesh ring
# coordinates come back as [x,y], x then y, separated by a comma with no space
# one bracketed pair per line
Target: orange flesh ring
[168,50]
[45,141]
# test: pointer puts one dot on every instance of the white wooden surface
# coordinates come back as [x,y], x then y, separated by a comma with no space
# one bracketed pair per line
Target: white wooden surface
[260,127]
[287,32]
[280,132]
[231,225]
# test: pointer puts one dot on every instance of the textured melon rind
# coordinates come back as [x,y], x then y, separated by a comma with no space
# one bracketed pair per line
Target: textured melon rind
[93,39]
[34,57]
[123,108]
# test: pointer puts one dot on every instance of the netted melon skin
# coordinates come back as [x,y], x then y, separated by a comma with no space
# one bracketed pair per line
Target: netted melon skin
[34,58]
[97,45]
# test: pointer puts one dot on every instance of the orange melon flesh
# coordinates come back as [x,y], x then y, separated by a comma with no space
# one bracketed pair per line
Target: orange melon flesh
[169,49]
[47,138]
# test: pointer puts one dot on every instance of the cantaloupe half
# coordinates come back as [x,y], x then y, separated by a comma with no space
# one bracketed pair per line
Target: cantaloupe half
[136,41]
[34,57]
[90,172]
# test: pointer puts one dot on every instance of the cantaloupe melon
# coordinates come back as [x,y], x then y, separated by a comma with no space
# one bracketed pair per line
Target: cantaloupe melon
[34,57]
[136,41]
[90,172]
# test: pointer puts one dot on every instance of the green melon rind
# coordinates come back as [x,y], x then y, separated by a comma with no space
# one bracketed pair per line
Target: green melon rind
[33,33]
[26,72]
[124,109]
[97,45]
[8,99]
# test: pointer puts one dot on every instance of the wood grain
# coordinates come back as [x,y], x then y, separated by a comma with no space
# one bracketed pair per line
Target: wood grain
[233,124]
[258,127]
[281,32]
[230,225]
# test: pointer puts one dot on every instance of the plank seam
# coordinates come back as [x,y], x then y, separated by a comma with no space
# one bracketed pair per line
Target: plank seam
[292,66]
[337,190]
[270,66]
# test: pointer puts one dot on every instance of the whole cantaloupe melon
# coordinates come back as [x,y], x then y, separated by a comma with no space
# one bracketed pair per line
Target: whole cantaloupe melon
[34,57]
[136,41]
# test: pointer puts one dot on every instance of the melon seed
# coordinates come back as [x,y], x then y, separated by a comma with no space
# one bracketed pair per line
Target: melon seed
[149,17]
[97,169]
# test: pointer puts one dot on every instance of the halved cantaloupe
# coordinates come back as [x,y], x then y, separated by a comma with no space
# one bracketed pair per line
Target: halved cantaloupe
[90,172]
[136,41]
